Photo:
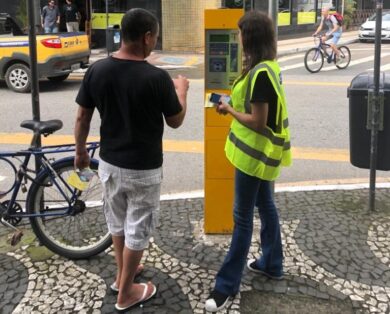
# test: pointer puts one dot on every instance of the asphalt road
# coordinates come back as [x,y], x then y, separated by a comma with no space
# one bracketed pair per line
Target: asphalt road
[318,110]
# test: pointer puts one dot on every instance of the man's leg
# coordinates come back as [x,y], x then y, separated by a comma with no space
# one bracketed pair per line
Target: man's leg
[142,187]
[335,50]
[119,243]
[129,292]
[333,44]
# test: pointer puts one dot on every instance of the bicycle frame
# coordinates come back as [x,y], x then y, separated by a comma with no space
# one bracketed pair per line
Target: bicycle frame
[322,47]
[45,165]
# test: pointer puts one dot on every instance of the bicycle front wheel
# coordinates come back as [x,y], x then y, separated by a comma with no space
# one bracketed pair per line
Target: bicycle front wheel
[82,233]
[344,58]
[314,60]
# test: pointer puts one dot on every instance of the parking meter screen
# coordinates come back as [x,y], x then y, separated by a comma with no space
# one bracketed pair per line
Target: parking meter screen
[219,38]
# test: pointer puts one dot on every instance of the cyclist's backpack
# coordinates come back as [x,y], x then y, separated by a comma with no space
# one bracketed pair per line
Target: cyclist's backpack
[339,18]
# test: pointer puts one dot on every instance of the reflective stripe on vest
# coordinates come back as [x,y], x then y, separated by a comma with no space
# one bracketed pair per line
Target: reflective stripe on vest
[256,154]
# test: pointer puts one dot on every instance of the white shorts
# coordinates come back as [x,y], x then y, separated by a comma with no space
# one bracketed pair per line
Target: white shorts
[131,202]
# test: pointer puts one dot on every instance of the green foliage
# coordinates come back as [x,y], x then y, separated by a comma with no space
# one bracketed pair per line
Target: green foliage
[349,10]
[21,14]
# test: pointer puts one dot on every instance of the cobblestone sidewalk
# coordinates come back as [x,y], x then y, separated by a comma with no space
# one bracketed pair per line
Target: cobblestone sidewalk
[337,260]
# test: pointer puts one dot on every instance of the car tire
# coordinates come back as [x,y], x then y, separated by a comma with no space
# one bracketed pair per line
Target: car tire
[18,78]
[363,40]
[59,78]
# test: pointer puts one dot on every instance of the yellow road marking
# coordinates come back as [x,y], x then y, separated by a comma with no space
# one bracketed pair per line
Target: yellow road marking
[192,61]
[195,147]
[25,139]
[325,154]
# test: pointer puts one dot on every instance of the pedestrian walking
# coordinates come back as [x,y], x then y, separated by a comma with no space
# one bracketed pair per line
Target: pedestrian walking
[50,17]
[258,145]
[72,16]
[133,98]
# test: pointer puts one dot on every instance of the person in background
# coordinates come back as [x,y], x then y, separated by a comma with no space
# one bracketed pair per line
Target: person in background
[258,145]
[50,17]
[133,99]
[72,16]
[333,33]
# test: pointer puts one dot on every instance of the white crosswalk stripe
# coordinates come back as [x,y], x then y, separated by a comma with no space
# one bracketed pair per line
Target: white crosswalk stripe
[332,67]
[358,61]
[287,58]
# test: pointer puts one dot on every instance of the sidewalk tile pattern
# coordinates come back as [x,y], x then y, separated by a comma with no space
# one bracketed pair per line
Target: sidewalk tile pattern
[334,252]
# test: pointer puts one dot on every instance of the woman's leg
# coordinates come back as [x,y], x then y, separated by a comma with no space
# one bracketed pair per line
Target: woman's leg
[229,276]
[271,260]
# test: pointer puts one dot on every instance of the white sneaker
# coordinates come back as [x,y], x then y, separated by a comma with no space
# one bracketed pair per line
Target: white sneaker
[217,301]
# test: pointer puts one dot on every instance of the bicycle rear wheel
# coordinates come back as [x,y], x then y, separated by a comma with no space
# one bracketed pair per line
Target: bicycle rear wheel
[345,57]
[81,234]
[314,60]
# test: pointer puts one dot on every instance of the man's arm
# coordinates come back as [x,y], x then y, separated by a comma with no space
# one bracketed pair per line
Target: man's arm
[335,28]
[58,16]
[181,85]
[43,17]
[319,27]
[81,131]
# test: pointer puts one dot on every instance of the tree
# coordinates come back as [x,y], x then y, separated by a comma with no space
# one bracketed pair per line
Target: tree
[349,10]
[21,14]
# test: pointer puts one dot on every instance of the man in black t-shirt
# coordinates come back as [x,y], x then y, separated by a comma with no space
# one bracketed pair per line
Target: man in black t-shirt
[72,16]
[133,99]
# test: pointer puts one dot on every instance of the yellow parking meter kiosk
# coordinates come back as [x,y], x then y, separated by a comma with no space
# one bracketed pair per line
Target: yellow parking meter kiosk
[223,63]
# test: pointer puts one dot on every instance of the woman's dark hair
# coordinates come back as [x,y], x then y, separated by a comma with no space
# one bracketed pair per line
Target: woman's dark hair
[258,39]
[136,23]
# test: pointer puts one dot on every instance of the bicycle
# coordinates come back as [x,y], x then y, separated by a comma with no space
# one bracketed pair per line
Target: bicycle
[314,57]
[68,221]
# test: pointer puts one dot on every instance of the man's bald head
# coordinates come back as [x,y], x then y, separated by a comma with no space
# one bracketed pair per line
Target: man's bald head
[325,11]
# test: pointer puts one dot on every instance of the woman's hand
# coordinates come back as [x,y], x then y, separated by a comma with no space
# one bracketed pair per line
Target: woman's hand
[223,108]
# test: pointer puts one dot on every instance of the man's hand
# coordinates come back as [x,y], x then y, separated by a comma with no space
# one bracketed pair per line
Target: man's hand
[82,160]
[181,84]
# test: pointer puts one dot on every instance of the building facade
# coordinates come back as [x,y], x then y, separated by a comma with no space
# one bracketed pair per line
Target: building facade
[182,21]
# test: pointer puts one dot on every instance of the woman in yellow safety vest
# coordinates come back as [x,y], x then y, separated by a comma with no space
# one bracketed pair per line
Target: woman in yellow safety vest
[258,145]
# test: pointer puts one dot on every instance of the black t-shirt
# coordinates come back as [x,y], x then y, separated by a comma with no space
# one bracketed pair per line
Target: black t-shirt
[264,92]
[132,97]
[70,12]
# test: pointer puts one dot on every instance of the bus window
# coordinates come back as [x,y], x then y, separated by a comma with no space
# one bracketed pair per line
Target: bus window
[284,16]
[306,11]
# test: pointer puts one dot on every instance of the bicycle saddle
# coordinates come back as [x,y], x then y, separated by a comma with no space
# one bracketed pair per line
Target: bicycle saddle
[42,127]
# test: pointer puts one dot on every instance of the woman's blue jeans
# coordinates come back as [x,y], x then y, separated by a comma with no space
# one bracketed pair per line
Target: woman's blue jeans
[251,191]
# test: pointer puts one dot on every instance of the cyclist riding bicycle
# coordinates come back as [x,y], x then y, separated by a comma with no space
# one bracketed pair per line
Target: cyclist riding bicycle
[334,31]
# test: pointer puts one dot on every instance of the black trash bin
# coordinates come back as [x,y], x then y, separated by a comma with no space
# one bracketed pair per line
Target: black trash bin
[113,38]
[359,120]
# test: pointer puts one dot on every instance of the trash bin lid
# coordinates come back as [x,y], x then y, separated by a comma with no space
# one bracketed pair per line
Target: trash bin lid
[364,81]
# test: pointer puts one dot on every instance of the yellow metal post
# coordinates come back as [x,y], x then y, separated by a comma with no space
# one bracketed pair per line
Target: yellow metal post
[222,66]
